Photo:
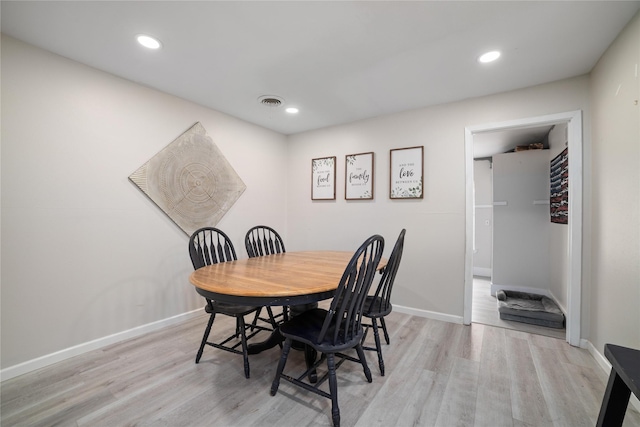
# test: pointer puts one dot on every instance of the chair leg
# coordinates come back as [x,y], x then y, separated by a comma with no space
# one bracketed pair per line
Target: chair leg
[376,336]
[333,389]
[243,338]
[255,319]
[239,329]
[384,329]
[281,363]
[363,361]
[271,318]
[366,331]
[205,337]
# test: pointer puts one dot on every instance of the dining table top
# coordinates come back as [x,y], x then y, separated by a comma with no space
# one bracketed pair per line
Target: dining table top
[278,279]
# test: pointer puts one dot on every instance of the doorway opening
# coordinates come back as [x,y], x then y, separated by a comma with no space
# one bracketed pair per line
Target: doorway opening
[573,121]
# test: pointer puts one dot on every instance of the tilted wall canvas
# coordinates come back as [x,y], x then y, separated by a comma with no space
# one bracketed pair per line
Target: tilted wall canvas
[190,180]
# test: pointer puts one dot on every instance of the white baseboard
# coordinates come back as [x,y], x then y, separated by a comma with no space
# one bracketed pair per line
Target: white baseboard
[482,271]
[58,356]
[428,314]
[562,307]
[606,367]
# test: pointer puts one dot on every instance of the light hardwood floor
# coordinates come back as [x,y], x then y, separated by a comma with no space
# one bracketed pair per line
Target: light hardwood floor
[485,310]
[438,374]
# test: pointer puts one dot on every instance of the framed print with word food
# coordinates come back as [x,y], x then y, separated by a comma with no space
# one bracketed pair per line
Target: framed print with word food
[323,178]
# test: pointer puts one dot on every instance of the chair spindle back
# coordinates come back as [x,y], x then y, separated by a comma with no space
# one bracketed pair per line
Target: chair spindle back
[343,321]
[210,245]
[262,240]
[383,292]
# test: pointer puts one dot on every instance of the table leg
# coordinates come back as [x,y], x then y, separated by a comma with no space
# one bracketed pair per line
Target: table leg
[274,339]
[310,354]
[614,403]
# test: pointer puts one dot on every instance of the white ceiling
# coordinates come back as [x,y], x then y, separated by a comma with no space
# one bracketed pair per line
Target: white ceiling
[337,61]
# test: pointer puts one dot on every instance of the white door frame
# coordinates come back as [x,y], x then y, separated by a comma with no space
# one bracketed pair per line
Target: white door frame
[574,135]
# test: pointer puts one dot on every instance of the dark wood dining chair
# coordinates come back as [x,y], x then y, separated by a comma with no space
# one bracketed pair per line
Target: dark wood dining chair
[208,246]
[378,305]
[263,240]
[335,330]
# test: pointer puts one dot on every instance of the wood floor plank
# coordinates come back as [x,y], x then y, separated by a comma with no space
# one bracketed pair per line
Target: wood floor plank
[459,401]
[64,408]
[401,385]
[527,398]
[445,338]
[437,374]
[402,335]
[423,407]
[493,403]
[471,339]
[555,383]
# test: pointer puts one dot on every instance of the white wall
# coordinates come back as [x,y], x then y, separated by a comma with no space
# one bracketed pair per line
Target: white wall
[483,212]
[431,278]
[615,230]
[85,254]
[520,227]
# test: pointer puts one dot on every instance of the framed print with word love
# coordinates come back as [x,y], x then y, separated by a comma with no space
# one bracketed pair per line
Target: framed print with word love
[406,172]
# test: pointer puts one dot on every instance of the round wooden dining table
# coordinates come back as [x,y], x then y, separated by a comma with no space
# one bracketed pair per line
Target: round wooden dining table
[290,278]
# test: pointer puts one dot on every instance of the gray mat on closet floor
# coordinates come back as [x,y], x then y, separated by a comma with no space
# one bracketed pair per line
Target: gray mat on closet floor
[529,308]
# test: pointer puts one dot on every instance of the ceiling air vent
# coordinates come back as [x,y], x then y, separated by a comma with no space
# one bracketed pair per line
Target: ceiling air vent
[271,100]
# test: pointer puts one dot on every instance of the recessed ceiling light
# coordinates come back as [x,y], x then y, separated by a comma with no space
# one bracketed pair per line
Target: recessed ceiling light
[148,41]
[489,56]
[292,110]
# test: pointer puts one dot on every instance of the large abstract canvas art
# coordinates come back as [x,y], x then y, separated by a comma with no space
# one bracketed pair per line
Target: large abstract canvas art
[190,180]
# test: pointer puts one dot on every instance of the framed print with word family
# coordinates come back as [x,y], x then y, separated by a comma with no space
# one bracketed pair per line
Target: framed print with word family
[358,176]
[323,178]
[406,173]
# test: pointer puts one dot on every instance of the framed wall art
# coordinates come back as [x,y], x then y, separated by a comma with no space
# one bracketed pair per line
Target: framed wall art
[323,178]
[358,176]
[406,173]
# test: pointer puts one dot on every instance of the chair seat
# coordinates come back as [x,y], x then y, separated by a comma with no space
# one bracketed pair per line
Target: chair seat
[306,328]
[376,309]
[230,309]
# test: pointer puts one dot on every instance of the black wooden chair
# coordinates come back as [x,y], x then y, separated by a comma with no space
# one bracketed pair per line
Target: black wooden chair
[208,246]
[338,329]
[262,240]
[377,306]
